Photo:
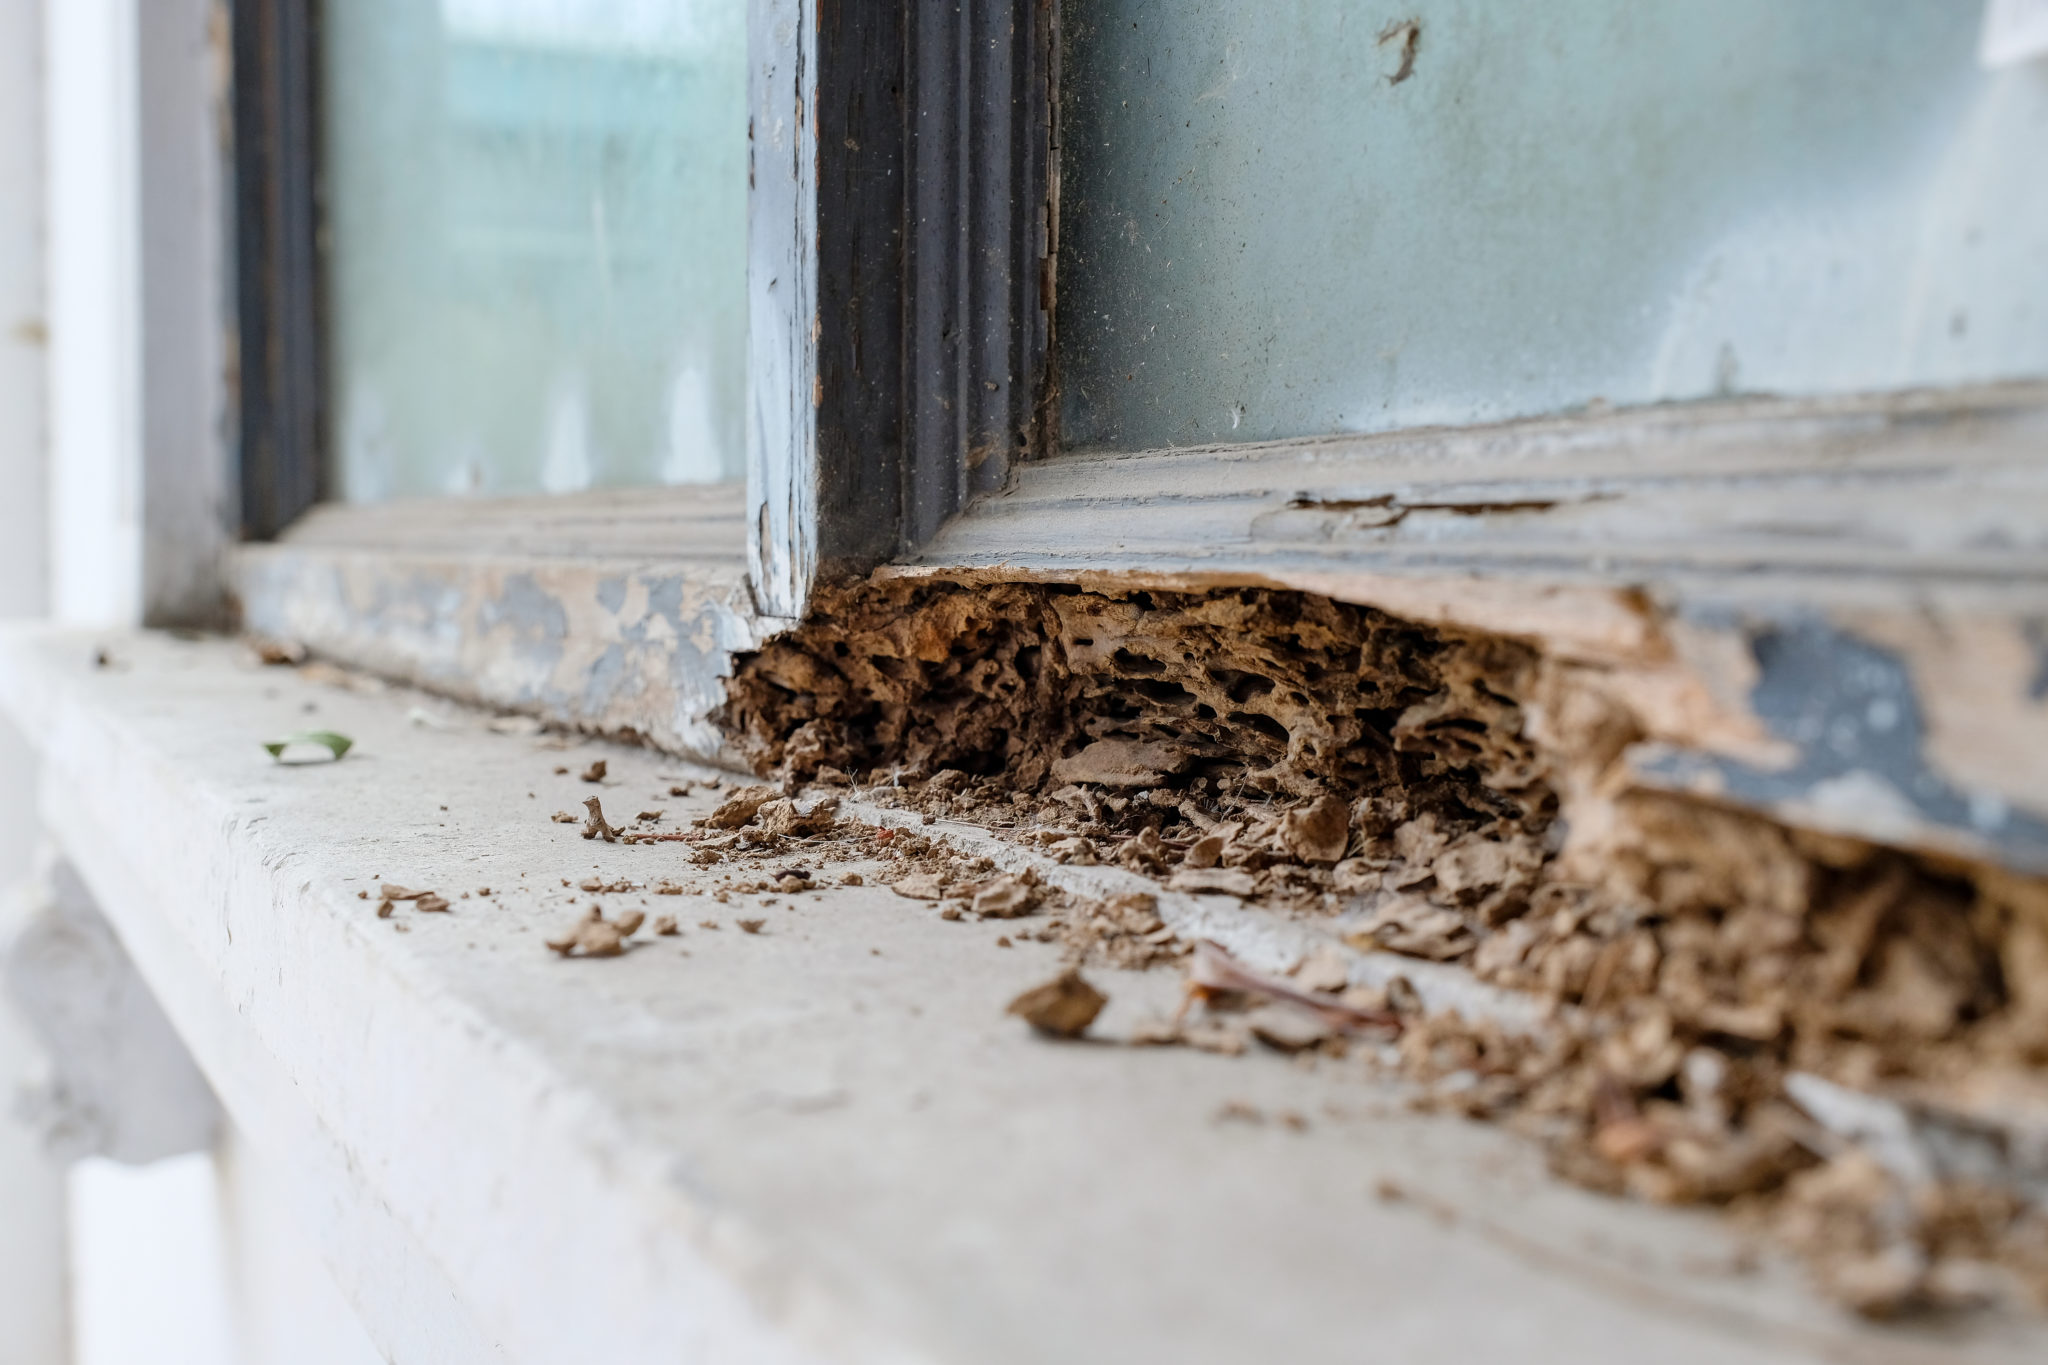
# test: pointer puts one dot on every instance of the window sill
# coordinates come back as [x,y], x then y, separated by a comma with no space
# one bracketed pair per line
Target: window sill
[613,611]
[824,1141]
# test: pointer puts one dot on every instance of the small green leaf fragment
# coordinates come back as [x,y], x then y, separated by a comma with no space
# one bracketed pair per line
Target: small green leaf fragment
[336,744]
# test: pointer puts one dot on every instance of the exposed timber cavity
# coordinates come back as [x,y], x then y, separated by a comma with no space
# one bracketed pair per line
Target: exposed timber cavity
[1843,1042]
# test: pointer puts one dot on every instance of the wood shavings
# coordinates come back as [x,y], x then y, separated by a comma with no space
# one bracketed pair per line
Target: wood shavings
[562,817]
[921,886]
[1213,972]
[739,808]
[595,936]
[595,825]
[1328,760]
[1005,898]
[1318,832]
[1061,1008]
[1212,881]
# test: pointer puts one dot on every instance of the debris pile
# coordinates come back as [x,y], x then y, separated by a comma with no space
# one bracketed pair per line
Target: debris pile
[1386,780]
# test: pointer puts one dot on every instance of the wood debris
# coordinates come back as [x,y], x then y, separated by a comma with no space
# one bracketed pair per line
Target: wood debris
[739,808]
[1413,788]
[594,773]
[595,825]
[1063,1007]
[595,936]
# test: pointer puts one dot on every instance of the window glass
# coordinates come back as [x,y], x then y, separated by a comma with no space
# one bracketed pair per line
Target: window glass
[1305,216]
[534,242]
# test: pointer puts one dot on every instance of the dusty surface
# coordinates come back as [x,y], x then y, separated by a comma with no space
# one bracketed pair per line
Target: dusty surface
[837,1106]
[1713,978]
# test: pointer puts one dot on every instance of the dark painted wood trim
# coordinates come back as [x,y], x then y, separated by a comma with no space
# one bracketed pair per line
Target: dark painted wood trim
[277,261]
[979,252]
[898,273]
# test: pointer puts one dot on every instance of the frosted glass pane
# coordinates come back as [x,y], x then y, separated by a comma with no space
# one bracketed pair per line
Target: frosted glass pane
[535,243]
[1292,217]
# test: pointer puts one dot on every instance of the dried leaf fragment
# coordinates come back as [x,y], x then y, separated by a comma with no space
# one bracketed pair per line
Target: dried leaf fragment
[594,773]
[1206,851]
[1214,971]
[1063,1007]
[1228,881]
[920,886]
[594,936]
[750,926]
[335,744]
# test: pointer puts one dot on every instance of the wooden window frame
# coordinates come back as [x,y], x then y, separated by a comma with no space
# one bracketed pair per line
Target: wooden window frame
[902,225]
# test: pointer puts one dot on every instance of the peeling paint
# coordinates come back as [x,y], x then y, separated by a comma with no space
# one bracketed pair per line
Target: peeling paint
[1853,719]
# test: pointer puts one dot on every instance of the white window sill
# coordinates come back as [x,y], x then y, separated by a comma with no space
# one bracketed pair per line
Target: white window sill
[825,1141]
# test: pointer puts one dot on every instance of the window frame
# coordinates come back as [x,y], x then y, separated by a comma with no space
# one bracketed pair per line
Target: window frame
[902,272]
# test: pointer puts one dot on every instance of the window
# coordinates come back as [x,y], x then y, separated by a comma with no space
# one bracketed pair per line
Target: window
[1595,325]
[535,245]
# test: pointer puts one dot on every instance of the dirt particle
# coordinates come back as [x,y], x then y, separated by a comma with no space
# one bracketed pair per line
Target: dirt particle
[1063,1007]
[1005,898]
[920,886]
[595,825]
[1405,36]
[592,936]
[739,808]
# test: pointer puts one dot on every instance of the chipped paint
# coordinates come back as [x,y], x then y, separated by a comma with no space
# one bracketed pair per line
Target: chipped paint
[639,653]
[1851,716]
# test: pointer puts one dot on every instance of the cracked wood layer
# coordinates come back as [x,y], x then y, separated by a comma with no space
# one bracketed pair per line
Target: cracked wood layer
[821,1141]
[1833,612]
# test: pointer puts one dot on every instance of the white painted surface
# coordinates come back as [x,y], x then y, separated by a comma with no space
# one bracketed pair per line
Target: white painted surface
[119,1082]
[95,311]
[148,1271]
[34,1306]
[287,1308]
[824,1141]
[187,497]
[34,1311]
[2015,31]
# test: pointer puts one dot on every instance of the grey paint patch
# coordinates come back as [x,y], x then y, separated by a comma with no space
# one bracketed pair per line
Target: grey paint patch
[1850,710]
[2036,632]
[611,593]
[536,620]
[604,679]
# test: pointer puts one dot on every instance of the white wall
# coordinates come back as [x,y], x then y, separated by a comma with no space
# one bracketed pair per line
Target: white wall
[148,1265]
[95,310]
[34,1318]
